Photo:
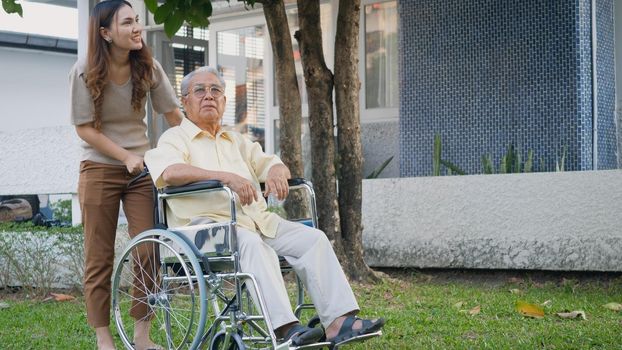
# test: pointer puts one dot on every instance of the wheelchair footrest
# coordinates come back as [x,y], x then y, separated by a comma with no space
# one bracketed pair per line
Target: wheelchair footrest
[358,339]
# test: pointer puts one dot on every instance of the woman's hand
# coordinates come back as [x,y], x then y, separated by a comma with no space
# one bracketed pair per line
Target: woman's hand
[133,163]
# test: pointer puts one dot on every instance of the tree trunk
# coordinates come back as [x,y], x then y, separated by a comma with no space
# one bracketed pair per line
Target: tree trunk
[319,82]
[290,110]
[347,87]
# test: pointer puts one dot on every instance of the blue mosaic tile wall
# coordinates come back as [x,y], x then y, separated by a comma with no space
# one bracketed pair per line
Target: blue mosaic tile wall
[605,77]
[488,73]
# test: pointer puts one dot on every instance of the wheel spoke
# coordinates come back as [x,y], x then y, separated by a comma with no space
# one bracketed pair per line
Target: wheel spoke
[170,293]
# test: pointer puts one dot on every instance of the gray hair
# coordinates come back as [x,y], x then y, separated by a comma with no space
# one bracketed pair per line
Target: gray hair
[185,82]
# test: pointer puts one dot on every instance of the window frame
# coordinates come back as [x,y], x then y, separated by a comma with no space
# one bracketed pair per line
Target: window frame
[381,114]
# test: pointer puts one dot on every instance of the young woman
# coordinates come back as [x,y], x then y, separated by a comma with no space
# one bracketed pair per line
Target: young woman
[108,95]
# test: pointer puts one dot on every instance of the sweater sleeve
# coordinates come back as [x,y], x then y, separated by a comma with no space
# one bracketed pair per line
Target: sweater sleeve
[82,109]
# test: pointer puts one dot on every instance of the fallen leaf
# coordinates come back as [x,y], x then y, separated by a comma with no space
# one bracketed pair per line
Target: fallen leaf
[4,305]
[515,291]
[573,314]
[529,310]
[613,306]
[459,304]
[62,297]
[546,303]
[474,311]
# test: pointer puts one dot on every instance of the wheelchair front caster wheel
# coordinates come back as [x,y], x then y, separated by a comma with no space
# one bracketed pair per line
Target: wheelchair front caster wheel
[223,342]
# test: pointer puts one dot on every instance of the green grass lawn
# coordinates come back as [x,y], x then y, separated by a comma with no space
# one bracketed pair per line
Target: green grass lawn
[424,310]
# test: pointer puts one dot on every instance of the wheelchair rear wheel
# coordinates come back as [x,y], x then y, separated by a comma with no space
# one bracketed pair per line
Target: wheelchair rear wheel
[158,278]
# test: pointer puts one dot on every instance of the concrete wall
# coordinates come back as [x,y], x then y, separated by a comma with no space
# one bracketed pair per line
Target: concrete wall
[549,221]
[39,161]
[35,89]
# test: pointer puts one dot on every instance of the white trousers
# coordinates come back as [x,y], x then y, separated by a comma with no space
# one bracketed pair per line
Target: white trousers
[311,256]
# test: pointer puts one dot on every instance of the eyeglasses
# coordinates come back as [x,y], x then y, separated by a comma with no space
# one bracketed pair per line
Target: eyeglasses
[199,91]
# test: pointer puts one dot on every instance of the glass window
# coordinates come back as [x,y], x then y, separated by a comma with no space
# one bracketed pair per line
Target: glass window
[240,55]
[381,84]
[189,51]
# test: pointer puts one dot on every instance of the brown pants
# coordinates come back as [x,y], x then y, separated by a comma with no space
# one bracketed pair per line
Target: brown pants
[101,188]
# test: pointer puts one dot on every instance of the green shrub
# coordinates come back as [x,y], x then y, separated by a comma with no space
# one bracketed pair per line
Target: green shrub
[39,259]
[61,210]
[511,162]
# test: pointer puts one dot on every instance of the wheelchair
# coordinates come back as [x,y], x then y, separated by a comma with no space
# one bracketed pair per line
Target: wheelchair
[189,280]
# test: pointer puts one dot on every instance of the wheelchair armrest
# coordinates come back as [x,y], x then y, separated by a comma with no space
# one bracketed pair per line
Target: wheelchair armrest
[195,186]
[291,182]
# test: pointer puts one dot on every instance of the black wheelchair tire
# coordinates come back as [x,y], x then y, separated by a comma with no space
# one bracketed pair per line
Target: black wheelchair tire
[219,338]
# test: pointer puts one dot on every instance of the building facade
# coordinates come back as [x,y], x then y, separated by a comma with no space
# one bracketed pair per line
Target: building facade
[544,76]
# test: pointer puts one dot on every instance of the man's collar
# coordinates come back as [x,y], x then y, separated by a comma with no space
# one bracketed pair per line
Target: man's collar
[192,130]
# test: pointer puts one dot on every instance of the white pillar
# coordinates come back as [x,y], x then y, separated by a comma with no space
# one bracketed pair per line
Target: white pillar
[76,213]
[84,9]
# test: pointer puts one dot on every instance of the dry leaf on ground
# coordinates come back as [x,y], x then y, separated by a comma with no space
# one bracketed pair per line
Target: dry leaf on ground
[573,314]
[547,303]
[515,291]
[459,304]
[613,306]
[476,310]
[62,297]
[529,310]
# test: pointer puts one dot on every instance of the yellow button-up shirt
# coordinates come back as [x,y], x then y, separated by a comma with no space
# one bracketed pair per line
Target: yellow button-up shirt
[229,151]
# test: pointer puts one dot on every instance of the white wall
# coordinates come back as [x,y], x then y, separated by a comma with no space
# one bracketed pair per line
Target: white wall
[34,89]
[39,149]
[539,221]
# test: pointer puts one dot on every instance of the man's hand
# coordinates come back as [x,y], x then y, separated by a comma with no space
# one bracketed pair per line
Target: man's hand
[133,163]
[244,188]
[276,181]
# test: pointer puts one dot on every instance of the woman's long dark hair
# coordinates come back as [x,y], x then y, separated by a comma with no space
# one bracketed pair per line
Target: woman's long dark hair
[98,60]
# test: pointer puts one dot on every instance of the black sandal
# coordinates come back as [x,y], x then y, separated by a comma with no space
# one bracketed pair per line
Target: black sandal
[301,335]
[346,332]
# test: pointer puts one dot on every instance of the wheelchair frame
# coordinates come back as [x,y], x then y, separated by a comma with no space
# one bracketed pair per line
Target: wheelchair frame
[173,284]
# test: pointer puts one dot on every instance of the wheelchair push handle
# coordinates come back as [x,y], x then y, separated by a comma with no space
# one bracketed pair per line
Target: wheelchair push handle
[136,178]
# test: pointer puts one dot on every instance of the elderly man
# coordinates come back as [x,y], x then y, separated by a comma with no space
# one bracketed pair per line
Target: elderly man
[199,149]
